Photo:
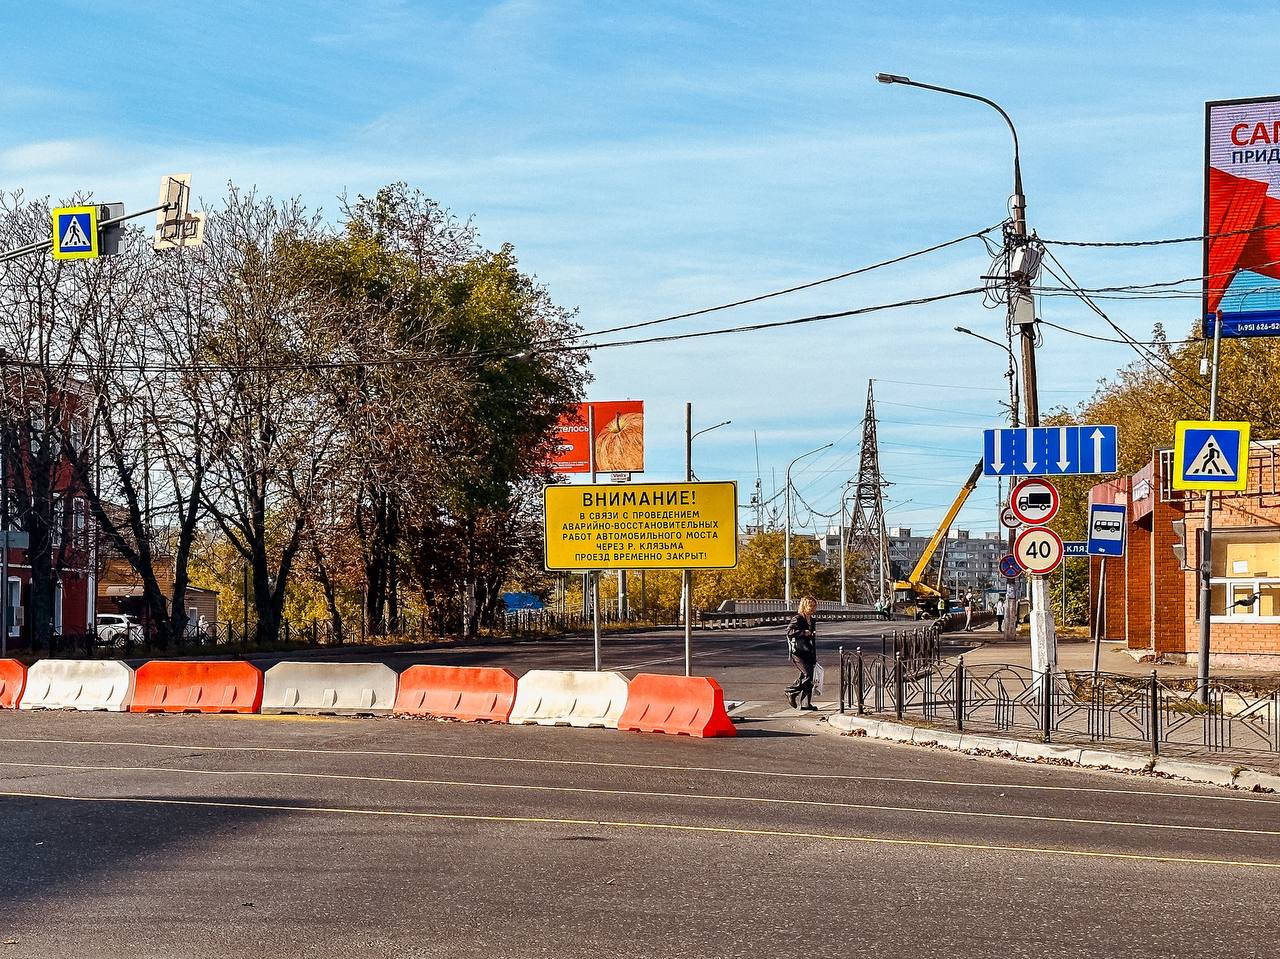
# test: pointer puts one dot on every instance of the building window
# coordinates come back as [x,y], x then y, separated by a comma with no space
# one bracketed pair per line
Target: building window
[1245,570]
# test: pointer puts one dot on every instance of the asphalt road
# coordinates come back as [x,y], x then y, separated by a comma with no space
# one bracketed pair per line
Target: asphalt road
[298,836]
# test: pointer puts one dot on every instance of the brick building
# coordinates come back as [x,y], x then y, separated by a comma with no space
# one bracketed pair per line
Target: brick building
[1152,604]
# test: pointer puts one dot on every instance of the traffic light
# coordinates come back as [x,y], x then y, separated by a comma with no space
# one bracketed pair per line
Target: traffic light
[109,235]
[1180,547]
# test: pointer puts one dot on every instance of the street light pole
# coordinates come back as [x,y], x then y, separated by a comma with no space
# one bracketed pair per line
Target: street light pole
[844,585]
[1044,647]
[786,561]
[1011,585]
[686,585]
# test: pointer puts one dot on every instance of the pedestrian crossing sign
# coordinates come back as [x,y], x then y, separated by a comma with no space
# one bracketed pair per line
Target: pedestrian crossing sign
[75,233]
[1210,455]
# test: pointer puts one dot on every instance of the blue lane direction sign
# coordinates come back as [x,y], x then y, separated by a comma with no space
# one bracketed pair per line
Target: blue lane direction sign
[1049,451]
[1075,547]
[1107,526]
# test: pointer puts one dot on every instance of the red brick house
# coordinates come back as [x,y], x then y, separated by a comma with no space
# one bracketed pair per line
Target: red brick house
[1149,601]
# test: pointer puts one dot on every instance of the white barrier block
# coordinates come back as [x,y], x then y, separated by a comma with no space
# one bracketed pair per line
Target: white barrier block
[85,684]
[554,697]
[343,689]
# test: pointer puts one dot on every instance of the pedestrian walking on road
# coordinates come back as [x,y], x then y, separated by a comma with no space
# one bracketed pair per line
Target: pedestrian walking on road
[968,612]
[1000,615]
[802,647]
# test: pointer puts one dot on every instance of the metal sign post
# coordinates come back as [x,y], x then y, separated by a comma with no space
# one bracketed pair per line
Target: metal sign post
[1206,552]
[594,576]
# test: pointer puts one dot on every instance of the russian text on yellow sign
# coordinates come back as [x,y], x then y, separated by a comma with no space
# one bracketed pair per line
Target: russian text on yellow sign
[60,228]
[642,526]
[1238,479]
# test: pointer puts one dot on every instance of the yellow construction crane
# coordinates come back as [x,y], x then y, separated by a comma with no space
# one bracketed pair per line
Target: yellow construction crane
[914,588]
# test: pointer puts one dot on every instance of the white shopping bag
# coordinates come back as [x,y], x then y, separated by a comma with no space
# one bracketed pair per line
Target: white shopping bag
[818,673]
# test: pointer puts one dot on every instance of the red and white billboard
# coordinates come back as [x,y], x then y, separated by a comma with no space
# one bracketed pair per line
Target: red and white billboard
[618,440]
[1242,216]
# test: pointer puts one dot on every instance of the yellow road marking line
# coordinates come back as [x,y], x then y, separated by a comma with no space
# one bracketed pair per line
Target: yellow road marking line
[642,794]
[1220,796]
[673,827]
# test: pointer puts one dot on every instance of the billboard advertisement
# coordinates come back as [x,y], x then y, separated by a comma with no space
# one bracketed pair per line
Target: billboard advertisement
[1242,216]
[618,442]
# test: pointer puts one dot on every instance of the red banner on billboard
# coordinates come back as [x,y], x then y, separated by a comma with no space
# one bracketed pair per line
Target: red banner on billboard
[1242,216]
[618,441]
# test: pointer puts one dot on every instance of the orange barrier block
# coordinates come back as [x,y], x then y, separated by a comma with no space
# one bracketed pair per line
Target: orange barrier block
[13,676]
[166,686]
[456,692]
[681,705]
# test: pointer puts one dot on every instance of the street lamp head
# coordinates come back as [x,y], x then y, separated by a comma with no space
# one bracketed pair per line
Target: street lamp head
[962,329]
[891,78]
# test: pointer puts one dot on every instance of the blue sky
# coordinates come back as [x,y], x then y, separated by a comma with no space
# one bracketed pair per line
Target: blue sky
[647,159]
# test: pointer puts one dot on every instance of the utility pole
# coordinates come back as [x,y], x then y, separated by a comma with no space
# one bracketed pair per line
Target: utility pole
[1022,268]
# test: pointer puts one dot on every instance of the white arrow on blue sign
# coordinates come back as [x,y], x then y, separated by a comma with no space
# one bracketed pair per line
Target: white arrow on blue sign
[1049,451]
[1107,527]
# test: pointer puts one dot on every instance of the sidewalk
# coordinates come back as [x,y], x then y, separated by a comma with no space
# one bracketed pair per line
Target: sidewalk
[1076,655]
[1227,771]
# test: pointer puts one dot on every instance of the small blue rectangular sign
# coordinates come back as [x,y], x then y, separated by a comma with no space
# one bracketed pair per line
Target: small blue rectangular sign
[1075,548]
[1107,527]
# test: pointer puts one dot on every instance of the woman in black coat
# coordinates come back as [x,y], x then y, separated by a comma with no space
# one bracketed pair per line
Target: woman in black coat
[802,645]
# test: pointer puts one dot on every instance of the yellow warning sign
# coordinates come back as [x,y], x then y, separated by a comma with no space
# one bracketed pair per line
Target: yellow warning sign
[642,526]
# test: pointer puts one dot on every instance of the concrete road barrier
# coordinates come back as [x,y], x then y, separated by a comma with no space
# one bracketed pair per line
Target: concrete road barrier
[85,684]
[553,697]
[13,676]
[340,689]
[457,692]
[680,705]
[165,686]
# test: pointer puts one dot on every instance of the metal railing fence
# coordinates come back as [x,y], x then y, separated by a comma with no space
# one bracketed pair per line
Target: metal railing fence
[1097,707]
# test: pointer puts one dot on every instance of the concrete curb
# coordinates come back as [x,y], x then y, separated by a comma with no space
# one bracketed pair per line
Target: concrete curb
[1230,777]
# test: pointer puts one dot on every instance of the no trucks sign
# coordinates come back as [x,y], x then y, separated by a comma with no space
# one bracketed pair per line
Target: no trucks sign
[642,526]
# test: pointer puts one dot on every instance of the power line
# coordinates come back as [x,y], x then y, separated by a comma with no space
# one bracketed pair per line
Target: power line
[1151,359]
[1111,339]
[1198,238]
[510,354]
[793,289]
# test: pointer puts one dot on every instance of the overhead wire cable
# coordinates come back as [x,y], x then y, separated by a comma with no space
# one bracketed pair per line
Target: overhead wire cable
[799,287]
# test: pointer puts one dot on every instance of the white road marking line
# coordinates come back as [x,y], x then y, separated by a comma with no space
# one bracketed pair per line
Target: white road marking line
[653,767]
[641,794]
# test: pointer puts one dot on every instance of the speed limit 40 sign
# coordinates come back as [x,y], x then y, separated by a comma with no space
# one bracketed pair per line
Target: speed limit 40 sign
[1038,550]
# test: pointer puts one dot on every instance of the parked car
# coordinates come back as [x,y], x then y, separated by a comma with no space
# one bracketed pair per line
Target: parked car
[117,629]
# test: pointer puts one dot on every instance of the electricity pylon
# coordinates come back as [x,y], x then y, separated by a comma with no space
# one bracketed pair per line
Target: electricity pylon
[868,539]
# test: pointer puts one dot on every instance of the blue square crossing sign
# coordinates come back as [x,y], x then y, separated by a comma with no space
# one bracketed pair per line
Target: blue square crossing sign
[75,233]
[1210,455]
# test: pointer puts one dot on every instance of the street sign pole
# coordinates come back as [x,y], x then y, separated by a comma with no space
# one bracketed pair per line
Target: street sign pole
[1206,542]
[593,577]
